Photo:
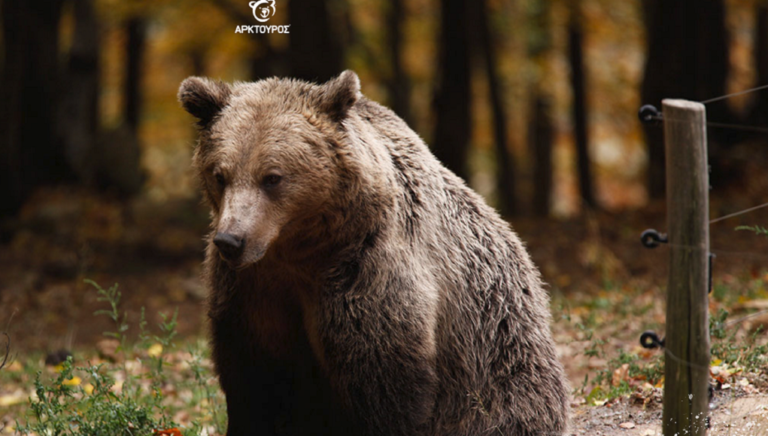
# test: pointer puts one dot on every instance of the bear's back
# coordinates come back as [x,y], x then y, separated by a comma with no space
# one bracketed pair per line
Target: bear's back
[494,315]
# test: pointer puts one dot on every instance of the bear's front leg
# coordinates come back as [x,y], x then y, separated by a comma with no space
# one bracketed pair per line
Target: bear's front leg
[248,383]
[379,350]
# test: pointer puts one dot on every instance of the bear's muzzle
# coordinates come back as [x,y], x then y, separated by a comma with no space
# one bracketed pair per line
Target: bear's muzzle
[230,246]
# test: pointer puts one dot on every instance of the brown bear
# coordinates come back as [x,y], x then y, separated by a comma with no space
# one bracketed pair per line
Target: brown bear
[358,287]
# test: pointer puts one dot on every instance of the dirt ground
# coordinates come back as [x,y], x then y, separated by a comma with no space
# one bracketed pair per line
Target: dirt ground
[731,414]
[67,235]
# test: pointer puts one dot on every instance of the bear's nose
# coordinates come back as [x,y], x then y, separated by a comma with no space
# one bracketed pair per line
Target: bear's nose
[229,245]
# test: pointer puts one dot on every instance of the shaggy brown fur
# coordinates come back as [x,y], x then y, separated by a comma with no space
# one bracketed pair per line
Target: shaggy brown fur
[357,286]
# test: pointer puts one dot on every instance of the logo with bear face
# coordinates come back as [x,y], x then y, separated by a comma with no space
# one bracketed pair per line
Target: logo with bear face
[263,10]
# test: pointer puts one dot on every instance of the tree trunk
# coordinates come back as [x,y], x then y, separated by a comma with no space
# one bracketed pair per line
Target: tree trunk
[540,130]
[759,110]
[540,140]
[12,184]
[31,153]
[117,152]
[687,58]
[197,57]
[579,107]
[399,85]
[315,52]
[271,63]
[452,96]
[505,178]
[135,46]
[78,114]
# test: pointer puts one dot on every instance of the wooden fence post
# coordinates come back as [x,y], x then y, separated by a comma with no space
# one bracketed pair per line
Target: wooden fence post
[686,360]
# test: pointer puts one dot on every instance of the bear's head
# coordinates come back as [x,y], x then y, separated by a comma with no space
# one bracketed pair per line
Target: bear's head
[267,157]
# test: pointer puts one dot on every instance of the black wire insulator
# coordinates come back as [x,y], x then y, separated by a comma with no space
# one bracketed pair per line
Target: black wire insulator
[648,114]
[651,238]
[650,340]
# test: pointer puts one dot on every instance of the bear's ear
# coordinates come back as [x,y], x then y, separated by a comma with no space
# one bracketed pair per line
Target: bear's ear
[339,94]
[203,98]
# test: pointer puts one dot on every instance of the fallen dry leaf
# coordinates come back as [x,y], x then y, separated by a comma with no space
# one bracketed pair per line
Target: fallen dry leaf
[155,350]
[597,363]
[74,381]
[13,398]
[751,304]
[620,374]
[107,349]
[169,432]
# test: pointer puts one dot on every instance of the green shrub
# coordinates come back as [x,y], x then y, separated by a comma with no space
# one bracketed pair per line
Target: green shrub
[115,399]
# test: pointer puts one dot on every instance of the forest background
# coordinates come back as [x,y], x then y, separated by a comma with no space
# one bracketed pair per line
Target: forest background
[534,103]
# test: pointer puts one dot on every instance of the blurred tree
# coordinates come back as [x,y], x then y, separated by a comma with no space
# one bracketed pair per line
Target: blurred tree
[78,119]
[197,58]
[579,104]
[687,58]
[759,111]
[540,141]
[315,51]
[399,84]
[135,45]
[271,62]
[117,153]
[31,154]
[505,178]
[540,131]
[452,95]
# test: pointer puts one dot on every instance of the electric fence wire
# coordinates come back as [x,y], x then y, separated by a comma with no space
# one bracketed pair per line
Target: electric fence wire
[718,252]
[741,212]
[722,218]
[723,97]
[727,126]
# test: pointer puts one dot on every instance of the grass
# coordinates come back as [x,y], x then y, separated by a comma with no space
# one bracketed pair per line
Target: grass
[756,229]
[148,387]
[606,327]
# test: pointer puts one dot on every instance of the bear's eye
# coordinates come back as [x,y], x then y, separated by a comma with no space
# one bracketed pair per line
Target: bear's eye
[220,181]
[271,180]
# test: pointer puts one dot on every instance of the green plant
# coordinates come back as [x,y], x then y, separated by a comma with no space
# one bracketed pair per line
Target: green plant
[594,349]
[717,324]
[651,372]
[757,229]
[129,399]
[595,345]
[606,388]
[64,406]
[748,354]
[168,329]
[719,292]
[206,389]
